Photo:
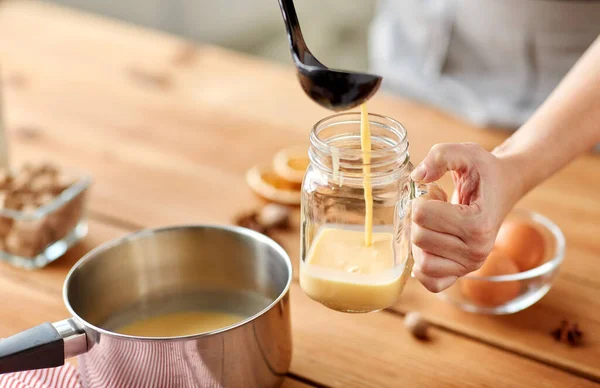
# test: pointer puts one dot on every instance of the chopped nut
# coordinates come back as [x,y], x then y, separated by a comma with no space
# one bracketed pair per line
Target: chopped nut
[43,183]
[274,216]
[417,325]
[35,185]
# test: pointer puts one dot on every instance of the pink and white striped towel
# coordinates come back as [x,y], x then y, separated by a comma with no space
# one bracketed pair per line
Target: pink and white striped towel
[65,376]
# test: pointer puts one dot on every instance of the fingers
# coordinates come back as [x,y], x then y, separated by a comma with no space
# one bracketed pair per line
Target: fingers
[453,239]
[441,216]
[444,245]
[435,266]
[441,159]
[434,284]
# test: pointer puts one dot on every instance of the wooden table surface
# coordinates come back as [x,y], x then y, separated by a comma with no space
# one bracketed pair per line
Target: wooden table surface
[168,130]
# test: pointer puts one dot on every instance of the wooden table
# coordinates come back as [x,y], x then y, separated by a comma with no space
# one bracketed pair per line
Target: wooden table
[168,131]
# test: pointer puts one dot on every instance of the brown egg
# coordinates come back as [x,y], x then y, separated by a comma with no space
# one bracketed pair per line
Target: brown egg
[522,243]
[487,293]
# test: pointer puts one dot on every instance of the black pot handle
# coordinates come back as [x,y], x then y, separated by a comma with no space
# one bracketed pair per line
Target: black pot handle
[39,347]
[42,346]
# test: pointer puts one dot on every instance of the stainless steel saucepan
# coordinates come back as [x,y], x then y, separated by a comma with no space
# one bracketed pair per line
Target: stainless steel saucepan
[174,269]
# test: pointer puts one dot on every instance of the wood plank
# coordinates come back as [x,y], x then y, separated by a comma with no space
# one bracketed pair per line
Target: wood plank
[79,105]
[526,332]
[326,343]
[390,357]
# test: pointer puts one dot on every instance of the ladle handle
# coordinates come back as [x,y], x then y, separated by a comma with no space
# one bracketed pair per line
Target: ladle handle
[44,346]
[292,26]
[300,51]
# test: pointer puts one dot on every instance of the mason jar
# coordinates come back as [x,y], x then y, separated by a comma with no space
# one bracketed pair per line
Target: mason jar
[333,214]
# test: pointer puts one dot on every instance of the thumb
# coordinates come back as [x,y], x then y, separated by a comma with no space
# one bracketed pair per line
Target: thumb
[441,159]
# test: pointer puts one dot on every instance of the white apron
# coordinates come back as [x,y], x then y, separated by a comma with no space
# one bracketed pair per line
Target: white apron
[492,62]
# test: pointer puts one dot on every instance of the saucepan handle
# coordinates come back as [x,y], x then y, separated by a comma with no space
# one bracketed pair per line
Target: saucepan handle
[43,346]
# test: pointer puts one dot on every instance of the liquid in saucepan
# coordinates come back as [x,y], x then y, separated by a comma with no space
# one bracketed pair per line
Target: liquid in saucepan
[180,324]
[186,313]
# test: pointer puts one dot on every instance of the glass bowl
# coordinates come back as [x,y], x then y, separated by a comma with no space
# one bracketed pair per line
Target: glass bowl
[35,235]
[532,285]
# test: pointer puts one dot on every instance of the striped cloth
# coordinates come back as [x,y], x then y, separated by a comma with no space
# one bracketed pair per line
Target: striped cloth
[65,376]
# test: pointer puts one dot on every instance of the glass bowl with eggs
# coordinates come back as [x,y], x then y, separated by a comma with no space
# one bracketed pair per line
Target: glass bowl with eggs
[519,271]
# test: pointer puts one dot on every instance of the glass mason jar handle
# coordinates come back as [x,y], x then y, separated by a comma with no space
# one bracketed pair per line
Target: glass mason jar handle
[404,219]
[419,189]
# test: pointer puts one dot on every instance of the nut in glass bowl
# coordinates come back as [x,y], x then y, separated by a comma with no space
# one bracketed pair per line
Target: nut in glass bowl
[41,214]
[516,290]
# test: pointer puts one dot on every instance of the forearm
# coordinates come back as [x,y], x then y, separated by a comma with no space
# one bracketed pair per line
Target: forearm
[564,127]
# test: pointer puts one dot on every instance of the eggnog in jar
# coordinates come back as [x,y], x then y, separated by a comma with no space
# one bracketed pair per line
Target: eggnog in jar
[349,267]
[344,274]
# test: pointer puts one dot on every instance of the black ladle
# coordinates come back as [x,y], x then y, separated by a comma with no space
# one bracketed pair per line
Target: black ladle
[333,89]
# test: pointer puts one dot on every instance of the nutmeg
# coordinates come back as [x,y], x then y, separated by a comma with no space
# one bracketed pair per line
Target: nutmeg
[417,325]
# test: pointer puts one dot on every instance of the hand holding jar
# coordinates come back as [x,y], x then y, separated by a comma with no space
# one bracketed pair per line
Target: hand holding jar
[452,239]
